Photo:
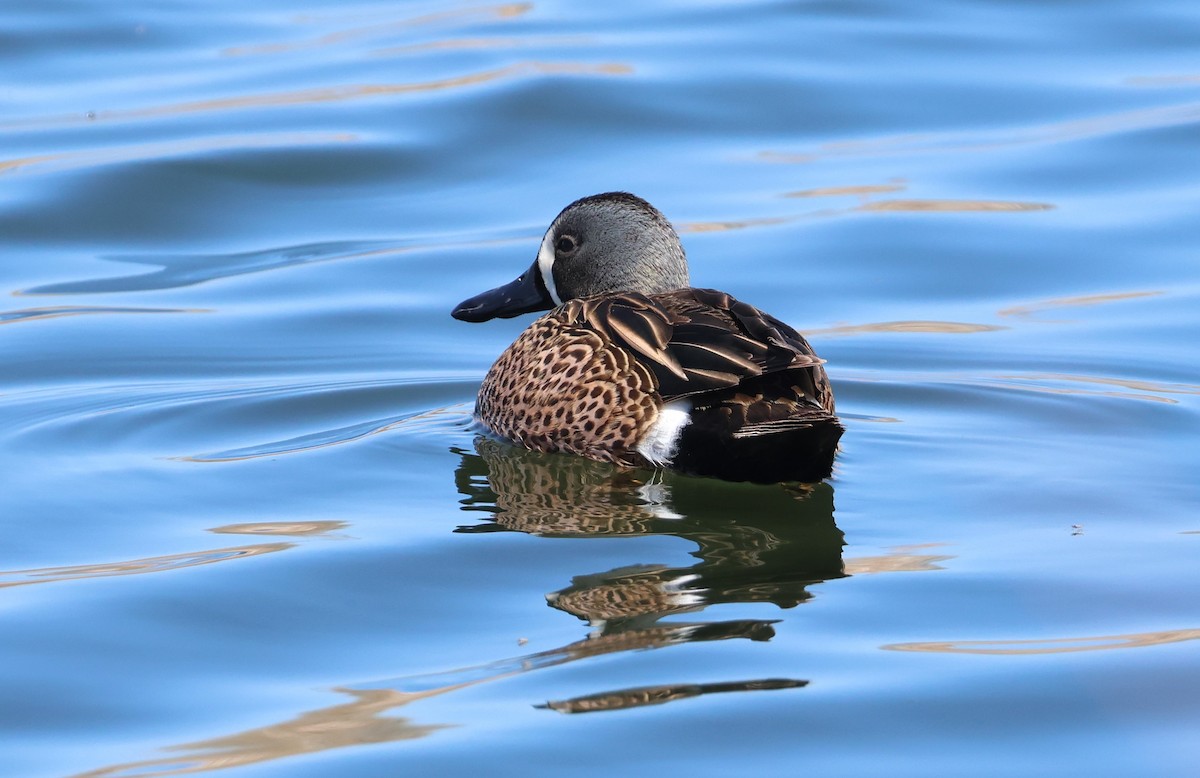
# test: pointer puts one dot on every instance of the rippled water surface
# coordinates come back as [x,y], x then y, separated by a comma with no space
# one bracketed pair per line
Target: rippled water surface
[248,527]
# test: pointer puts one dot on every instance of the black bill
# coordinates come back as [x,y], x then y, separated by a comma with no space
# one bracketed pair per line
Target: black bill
[524,295]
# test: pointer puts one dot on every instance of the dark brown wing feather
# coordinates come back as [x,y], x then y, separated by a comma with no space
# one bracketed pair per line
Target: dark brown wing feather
[701,341]
[637,323]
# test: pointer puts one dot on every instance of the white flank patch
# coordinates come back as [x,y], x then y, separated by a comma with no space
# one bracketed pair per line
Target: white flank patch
[662,440]
[545,263]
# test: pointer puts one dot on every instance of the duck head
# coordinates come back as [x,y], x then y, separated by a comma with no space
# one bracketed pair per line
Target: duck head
[612,242]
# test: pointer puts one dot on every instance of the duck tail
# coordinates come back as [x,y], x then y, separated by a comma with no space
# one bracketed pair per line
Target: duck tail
[797,449]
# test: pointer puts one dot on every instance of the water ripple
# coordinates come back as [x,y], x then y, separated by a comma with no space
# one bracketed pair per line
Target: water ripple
[144,151]
[190,269]
[182,270]
[457,416]
[1157,117]
[58,311]
[954,206]
[187,410]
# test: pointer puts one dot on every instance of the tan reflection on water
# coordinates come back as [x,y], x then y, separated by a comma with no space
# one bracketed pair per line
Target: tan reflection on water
[916,204]
[8,165]
[358,91]
[1031,309]
[458,44]
[155,564]
[59,311]
[351,724]
[954,206]
[902,559]
[839,191]
[281,528]
[341,93]
[1128,383]
[737,224]
[1051,645]
[480,13]
[1140,388]
[941,327]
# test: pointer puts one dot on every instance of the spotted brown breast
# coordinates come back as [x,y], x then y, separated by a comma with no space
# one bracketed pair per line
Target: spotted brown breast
[562,387]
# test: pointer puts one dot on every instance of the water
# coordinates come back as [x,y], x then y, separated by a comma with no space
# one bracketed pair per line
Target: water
[246,524]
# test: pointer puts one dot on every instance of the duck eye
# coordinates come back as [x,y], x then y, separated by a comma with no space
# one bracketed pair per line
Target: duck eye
[565,244]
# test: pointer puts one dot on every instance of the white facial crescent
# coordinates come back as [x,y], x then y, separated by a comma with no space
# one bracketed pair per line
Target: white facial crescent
[545,263]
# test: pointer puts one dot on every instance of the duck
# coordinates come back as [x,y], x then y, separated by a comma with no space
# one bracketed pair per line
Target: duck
[632,365]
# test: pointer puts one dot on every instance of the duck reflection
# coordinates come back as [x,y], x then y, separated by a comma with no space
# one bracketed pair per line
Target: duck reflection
[657,695]
[755,543]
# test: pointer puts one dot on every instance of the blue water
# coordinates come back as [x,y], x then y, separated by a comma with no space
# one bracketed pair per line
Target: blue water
[247,526]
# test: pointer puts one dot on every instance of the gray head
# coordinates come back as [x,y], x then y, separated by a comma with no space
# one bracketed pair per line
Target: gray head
[612,242]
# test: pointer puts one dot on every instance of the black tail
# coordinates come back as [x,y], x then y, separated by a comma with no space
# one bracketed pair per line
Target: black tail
[792,450]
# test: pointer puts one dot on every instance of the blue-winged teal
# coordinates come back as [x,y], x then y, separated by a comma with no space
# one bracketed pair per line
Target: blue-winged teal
[634,366]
